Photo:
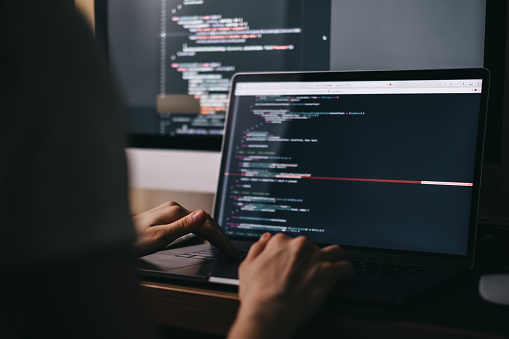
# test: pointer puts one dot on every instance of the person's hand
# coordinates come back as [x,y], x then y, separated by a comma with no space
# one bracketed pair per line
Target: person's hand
[283,281]
[160,226]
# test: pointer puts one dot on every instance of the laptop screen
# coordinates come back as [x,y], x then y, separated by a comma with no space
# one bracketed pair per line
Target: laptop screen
[389,163]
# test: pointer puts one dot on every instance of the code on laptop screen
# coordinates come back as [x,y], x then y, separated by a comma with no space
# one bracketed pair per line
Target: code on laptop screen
[376,164]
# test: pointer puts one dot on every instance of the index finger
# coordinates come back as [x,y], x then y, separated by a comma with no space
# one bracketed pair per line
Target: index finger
[212,232]
[258,247]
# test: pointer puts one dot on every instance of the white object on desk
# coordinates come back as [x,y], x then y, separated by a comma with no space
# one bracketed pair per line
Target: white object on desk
[174,170]
[495,288]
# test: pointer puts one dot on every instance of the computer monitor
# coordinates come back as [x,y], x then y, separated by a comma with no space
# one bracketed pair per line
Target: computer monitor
[172,60]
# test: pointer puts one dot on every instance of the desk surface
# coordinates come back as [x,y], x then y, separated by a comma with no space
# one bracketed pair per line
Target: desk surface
[456,311]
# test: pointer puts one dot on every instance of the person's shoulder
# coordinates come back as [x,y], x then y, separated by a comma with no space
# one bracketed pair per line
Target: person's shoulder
[63,175]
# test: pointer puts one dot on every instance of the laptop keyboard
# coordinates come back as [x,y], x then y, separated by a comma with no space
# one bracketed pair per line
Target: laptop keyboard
[362,268]
[386,269]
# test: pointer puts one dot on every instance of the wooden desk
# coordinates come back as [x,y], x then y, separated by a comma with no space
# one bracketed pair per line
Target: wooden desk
[454,312]
[188,307]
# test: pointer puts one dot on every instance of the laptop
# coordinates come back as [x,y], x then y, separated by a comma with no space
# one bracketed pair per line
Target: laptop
[386,164]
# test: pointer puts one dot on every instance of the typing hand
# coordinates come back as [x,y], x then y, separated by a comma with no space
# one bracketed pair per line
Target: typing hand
[160,226]
[283,281]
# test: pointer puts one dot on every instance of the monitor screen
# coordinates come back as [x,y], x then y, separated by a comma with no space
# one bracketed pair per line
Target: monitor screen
[386,160]
[173,60]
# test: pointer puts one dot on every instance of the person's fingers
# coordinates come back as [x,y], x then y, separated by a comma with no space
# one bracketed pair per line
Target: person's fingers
[212,232]
[182,226]
[258,246]
[302,245]
[338,270]
[154,238]
[208,230]
[331,253]
[163,214]
[172,211]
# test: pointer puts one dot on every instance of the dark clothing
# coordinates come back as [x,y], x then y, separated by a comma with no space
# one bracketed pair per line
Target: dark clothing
[65,226]
[63,181]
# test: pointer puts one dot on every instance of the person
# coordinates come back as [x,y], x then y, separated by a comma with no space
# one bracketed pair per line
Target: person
[67,240]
